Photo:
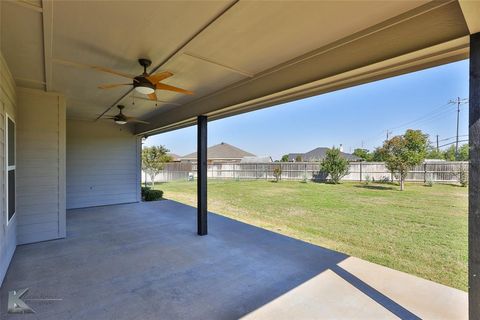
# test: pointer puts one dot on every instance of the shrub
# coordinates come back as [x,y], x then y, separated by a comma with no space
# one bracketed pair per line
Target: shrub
[277,172]
[144,190]
[367,180]
[463,177]
[384,179]
[153,195]
[335,165]
[304,178]
[429,180]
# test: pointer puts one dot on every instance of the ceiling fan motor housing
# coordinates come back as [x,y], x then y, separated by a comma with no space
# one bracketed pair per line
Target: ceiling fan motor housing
[120,118]
[142,85]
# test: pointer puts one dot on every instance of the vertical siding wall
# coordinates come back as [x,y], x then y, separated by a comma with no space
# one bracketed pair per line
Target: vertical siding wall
[103,164]
[40,166]
[8,236]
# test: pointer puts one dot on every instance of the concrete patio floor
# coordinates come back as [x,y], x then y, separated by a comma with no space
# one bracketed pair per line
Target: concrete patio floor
[144,261]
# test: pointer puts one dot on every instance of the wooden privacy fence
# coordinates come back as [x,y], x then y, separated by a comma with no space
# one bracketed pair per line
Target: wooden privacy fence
[437,172]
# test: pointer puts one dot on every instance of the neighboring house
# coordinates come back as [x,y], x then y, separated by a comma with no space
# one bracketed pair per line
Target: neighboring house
[318,154]
[222,152]
[263,159]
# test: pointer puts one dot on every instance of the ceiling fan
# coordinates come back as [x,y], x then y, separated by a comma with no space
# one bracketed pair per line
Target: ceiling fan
[143,83]
[120,118]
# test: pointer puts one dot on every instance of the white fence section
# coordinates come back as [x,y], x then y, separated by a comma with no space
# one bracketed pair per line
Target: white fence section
[437,172]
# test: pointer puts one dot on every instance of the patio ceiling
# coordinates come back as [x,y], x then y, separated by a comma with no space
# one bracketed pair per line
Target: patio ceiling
[235,56]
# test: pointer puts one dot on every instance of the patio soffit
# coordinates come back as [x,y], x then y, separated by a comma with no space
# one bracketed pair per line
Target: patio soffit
[235,56]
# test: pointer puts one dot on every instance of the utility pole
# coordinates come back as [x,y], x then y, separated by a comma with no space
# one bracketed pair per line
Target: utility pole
[438,148]
[388,134]
[457,102]
[458,119]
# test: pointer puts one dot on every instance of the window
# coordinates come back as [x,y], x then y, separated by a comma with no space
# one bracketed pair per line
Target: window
[10,166]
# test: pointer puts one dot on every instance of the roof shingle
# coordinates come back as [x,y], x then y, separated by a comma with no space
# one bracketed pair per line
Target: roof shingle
[221,151]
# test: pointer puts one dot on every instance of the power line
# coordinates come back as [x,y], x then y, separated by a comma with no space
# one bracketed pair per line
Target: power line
[435,111]
[454,142]
[450,138]
[436,114]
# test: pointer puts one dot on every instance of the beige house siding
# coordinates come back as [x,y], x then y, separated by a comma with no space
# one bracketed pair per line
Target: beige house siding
[40,166]
[103,164]
[8,232]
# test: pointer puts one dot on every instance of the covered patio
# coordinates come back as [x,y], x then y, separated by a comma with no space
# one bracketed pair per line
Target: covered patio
[144,260]
[68,69]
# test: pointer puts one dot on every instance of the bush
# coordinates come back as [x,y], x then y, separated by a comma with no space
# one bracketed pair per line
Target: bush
[277,173]
[429,180]
[153,195]
[145,190]
[367,180]
[463,177]
[304,178]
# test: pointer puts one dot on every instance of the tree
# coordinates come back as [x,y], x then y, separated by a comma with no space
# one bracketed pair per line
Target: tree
[463,153]
[298,158]
[284,158]
[433,153]
[153,160]
[363,153]
[335,165]
[404,152]
[449,154]
[379,155]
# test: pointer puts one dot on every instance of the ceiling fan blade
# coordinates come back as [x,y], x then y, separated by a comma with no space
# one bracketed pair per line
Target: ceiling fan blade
[135,120]
[113,85]
[98,68]
[118,73]
[163,86]
[152,96]
[157,77]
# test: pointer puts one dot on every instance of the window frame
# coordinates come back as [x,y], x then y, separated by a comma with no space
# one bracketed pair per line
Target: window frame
[8,167]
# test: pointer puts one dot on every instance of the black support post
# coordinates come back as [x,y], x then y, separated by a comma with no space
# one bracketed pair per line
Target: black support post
[202,175]
[474,181]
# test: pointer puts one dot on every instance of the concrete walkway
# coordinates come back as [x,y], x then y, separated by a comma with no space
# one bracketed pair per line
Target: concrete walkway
[144,261]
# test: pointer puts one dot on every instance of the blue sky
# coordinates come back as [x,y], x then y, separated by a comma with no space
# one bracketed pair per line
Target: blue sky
[352,117]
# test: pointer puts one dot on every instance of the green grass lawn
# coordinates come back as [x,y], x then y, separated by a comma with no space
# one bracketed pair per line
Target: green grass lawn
[422,231]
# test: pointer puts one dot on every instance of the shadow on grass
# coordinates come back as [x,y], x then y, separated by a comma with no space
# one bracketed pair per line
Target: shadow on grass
[376,187]
[454,185]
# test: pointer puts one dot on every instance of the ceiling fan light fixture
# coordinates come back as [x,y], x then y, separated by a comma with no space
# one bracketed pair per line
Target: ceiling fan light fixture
[120,122]
[144,89]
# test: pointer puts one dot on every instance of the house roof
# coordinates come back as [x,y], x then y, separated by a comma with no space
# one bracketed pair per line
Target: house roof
[318,154]
[222,151]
